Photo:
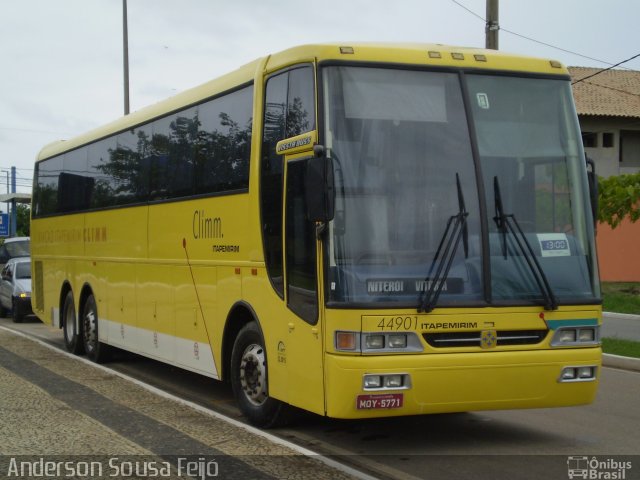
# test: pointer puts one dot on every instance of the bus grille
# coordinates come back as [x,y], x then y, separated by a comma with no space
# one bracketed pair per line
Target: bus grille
[472,339]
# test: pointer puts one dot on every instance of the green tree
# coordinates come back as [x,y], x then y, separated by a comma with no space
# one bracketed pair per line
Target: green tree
[24,216]
[619,197]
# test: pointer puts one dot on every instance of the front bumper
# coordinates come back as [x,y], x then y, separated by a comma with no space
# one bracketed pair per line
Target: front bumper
[459,382]
[22,306]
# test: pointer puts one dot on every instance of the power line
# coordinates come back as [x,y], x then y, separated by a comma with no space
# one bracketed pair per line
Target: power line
[533,39]
[606,69]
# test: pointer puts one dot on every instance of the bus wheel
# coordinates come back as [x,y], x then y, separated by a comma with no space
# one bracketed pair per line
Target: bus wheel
[16,315]
[96,350]
[72,339]
[249,379]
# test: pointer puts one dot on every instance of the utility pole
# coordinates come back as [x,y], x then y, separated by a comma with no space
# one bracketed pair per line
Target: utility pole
[14,210]
[493,26]
[125,56]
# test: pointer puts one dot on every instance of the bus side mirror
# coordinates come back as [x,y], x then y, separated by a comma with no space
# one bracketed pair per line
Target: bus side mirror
[592,178]
[320,189]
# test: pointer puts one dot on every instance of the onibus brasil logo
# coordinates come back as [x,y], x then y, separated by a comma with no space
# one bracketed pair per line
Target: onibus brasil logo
[597,469]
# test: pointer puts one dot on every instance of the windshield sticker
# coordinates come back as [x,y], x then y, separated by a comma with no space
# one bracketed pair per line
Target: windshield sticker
[483,100]
[554,245]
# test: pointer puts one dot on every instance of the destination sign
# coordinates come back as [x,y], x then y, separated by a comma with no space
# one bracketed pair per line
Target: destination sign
[410,286]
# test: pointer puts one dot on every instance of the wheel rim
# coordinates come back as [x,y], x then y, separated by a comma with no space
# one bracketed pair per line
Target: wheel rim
[69,322]
[90,329]
[253,374]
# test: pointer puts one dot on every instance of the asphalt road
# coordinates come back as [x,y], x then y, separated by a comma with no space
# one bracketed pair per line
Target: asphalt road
[523,444]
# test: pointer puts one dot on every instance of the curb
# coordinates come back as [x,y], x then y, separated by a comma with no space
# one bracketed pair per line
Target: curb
[617,361]
[622,316]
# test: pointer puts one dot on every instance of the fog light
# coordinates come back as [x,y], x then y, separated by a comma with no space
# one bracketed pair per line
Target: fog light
[372,381]
[586,372]
[374,341]
[587,335]
[397,341]
[569,373]
[345,341]
[392,381]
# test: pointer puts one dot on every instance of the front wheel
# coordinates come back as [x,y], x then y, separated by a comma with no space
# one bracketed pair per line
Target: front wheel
[96,350]
[249,379]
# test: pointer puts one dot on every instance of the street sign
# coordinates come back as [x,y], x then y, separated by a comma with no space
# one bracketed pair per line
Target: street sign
[4,224]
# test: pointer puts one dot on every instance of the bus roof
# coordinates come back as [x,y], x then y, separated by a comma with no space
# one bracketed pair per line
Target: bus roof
[435,55]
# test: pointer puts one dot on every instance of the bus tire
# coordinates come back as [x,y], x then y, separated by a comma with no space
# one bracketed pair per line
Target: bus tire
[72,340]
[15,314]
[249,380]
[96,350]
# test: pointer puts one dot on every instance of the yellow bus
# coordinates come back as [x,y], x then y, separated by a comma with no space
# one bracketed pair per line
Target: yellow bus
[355,230]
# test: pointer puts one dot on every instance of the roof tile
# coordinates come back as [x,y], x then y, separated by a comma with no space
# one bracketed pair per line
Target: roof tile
[613,92]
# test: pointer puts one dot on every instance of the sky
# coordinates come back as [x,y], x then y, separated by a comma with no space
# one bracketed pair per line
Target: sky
[61,65]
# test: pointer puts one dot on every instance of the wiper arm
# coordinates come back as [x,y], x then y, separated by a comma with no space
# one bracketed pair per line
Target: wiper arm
[455,230]
[507,223]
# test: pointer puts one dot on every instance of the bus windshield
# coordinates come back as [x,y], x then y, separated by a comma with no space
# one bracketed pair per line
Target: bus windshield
[405,152]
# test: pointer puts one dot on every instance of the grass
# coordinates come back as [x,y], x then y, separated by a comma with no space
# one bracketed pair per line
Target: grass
[621,297]
[618,346]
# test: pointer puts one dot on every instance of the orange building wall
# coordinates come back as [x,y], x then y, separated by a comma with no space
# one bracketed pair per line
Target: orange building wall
[619,252]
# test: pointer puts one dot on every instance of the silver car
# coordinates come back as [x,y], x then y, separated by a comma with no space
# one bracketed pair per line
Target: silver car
[15,288]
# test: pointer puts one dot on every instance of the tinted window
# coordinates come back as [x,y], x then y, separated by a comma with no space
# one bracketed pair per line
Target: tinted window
[46,194]
[271,178]
[301,247]
[202,149]
[289,110]
[223,142]
[300,102]
[124,168]
[180,169]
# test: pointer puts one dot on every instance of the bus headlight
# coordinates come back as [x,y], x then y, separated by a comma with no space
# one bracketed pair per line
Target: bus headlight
[397,341]
[576,336]
[586,335]
[374,341]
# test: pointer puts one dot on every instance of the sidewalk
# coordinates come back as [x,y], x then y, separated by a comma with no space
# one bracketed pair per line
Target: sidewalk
[620,325]
[624,326]
[63,409]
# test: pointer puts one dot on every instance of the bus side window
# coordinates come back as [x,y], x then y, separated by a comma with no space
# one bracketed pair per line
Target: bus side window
[271,178]
[289,110]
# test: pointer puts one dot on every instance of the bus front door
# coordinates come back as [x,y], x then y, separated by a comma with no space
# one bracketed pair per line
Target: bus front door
[304,349]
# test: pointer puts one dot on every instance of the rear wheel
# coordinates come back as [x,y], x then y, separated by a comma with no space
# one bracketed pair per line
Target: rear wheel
[72,339]
[96,350]
[249,379]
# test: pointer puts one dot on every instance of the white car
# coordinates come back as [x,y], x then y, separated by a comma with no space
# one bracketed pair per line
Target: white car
[15,288]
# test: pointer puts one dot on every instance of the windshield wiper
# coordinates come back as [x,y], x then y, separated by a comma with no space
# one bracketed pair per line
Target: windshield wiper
[507,223]
[455,231]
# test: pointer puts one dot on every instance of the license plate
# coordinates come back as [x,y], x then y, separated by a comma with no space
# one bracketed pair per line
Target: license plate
[388,400]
